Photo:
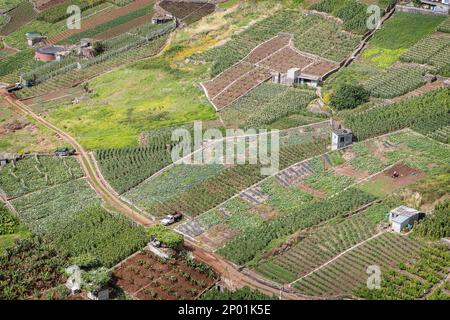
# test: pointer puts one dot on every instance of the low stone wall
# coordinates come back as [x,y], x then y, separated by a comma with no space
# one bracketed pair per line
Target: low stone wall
[408,9]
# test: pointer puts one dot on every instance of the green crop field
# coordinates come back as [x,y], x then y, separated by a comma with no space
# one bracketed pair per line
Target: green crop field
[25,176]
[385,48]
[266,105]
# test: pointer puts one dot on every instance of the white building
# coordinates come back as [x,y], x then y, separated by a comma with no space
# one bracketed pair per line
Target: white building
[403,217]
[341,138]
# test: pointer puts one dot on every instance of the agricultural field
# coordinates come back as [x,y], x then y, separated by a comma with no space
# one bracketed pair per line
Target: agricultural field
[30,267]
[188,12]
[348,272]
[331,44]
[7,5]
[384,51]
[219,184]
[308,188]
[268,104]
[20,15]
[35,173]
[445,26]
[144,276]
[57,203]
[426,114]
[305,221]
[396,81]
[432,50]
[319,246]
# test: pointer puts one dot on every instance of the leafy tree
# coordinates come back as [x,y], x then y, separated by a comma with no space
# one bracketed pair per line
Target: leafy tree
[349,96]
[166,236]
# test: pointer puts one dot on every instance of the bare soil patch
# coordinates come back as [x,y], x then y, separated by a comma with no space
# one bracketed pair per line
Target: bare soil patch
[349,171]
[147,277]
[188,12]
[265,211]
[406,175]
[217,236]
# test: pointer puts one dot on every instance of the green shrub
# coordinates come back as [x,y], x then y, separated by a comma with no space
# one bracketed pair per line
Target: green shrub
[8,223]
[349,97]
[166,236]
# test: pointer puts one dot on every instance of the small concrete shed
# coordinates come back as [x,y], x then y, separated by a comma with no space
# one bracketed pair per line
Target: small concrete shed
[403,216]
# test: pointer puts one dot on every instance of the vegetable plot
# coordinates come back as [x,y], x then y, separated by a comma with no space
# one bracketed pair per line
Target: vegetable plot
[37,172]
[426,114]
[396,81]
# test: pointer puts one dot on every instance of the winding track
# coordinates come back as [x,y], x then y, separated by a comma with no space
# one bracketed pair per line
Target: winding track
[88,167]
[229,273]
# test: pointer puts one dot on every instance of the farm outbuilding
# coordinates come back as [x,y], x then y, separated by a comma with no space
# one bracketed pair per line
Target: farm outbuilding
[403,217]
[341,138]
[34,38]
[6,158]
[51,53]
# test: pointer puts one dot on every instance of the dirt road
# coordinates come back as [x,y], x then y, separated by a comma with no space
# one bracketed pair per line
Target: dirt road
[234,278]
[93,177]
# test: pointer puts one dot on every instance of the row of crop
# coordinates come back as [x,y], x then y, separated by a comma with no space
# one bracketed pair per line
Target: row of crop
[97,238]
[445,26]
[69,215]
[352,12]
[24,176]
[228,182]
[125,168]
[244,247]
[114,48]
[59,12]
[31,265]
[316,248]
[44,208]
[412,280]
[395,81]
[90,33]
[433,50]
[259,108]
[441,134]
[348,272]
[172,182]
[425,113]
[20,15]
[76,76]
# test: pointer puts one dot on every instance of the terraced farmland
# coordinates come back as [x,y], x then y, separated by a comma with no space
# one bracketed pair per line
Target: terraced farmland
[347,273]
[223,185]
[317,248]
[25,176]
[433,50]
[75,77]
[188,12]
[312,33]
[396,81]
[268,104]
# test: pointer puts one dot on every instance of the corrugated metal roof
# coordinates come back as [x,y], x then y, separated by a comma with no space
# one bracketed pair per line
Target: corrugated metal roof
[405,211]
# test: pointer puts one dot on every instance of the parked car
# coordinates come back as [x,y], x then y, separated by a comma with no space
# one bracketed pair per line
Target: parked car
[171,219]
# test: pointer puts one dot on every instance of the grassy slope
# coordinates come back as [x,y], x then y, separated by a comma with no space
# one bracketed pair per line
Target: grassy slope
[146,95]
[31,139]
